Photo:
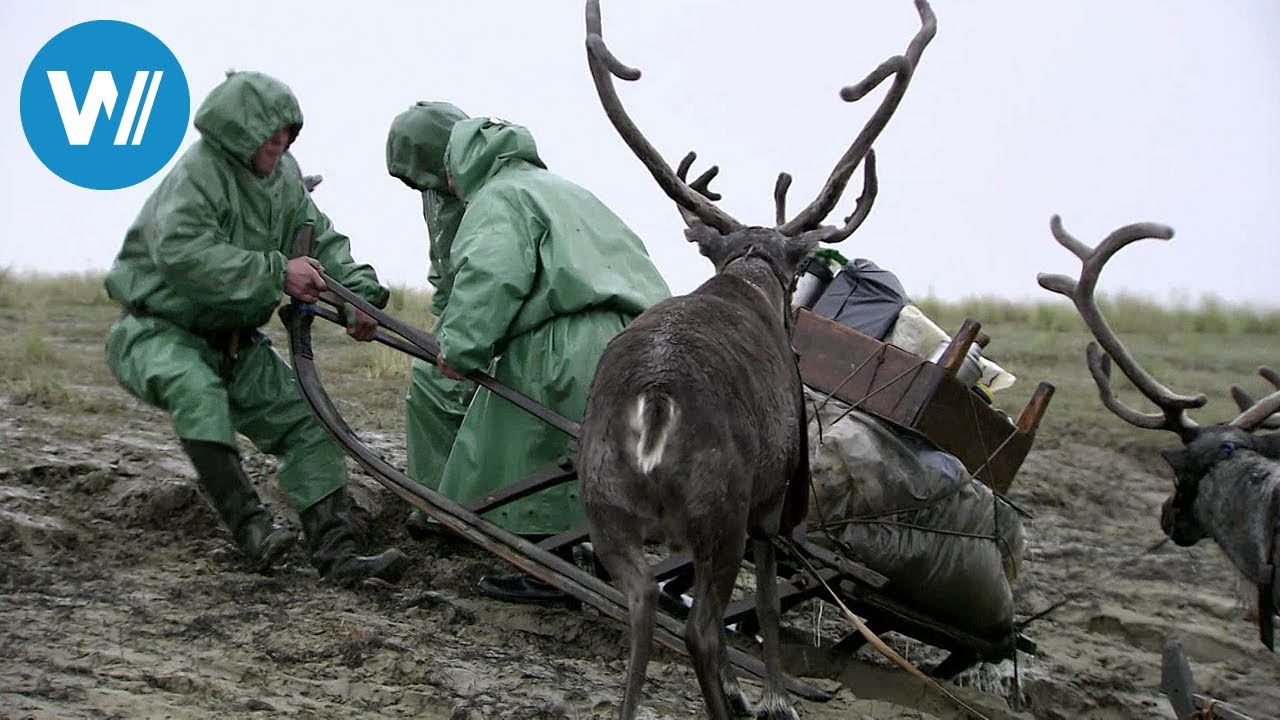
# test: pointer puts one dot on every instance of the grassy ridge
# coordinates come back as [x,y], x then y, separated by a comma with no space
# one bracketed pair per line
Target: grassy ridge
[1124,312]
[51,354]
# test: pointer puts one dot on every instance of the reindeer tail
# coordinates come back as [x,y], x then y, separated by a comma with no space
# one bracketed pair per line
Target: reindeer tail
[651,419]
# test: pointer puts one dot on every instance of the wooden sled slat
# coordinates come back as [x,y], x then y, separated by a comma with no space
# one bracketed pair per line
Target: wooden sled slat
[550,476]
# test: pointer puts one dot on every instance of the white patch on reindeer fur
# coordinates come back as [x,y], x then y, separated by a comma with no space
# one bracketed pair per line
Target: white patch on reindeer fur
[649,454]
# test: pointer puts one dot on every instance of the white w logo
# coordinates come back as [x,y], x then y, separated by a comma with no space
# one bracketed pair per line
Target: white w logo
[80,121]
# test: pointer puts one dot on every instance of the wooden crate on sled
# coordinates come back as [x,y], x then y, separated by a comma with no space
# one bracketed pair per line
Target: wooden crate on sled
[919,395]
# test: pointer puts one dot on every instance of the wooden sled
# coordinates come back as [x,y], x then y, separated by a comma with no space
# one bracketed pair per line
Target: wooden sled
[801,564]
[859,587]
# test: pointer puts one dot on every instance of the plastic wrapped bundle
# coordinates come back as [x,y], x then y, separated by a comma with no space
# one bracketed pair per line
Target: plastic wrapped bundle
[890,500]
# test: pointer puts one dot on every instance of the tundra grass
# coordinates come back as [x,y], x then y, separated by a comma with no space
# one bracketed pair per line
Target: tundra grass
[51,354]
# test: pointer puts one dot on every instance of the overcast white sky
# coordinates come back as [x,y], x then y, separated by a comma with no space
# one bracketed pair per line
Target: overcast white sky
[1105,111]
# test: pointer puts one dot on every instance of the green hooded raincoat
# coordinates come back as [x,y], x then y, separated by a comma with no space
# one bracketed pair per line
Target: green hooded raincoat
[435,404]
[206,256]
[543,276]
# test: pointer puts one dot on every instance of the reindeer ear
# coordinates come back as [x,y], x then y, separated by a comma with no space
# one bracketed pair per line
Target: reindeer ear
[1178,458]
[1269,445]
[710,242]
[803,245]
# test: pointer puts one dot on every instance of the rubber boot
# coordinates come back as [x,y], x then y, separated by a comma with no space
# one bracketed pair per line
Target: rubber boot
[232,495]
[333,547]
[523,588]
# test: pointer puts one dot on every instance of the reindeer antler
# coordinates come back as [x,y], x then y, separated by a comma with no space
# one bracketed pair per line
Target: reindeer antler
[1173,405]
[701,184]
[780,189]
[901,67]
[694,203]
[604,67]
[870,187]
[1260,414]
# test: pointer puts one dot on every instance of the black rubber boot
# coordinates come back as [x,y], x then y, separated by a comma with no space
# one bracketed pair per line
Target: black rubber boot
[232,495]
[333,547]
[525,589]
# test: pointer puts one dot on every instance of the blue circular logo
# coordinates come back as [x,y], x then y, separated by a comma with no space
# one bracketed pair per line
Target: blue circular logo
[105,104]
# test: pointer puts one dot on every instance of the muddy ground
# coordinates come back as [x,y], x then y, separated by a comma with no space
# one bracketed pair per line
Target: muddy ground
[121,597]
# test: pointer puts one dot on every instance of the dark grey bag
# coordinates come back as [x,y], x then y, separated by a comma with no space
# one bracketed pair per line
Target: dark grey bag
[865,297]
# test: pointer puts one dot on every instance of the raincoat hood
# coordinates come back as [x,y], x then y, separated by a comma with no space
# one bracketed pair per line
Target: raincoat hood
[482,147]
[244,110]
[416,144]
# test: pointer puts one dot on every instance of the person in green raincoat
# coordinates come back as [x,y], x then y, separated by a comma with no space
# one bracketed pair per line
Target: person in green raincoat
[435,404]
[203,266]
[541,276]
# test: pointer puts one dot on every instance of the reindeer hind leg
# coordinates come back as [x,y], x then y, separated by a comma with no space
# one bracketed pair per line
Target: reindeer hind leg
[739,705]
[717,558]
[619,545]
[774,704]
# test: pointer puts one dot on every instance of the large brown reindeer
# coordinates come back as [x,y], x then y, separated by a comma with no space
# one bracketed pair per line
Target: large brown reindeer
[1226,478]
[695,426]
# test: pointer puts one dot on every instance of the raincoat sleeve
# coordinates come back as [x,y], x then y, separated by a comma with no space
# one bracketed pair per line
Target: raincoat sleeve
[333,250]
[494,259]
[191,250]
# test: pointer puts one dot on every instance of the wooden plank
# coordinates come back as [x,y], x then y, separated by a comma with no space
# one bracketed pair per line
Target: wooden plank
[673,566]
[958,349]
[980,437]
[1029,421]
[861,370]
[566,539]
[855,571]
[550,476]
[874,605]
[790,594]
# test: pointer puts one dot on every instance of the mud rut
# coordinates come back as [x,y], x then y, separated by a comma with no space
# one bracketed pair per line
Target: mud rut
[120,597]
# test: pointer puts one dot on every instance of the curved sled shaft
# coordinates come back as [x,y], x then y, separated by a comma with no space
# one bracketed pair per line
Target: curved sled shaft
[515,550]
[430,350]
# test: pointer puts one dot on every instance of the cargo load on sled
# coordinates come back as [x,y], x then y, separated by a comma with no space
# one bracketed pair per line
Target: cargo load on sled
[885,493]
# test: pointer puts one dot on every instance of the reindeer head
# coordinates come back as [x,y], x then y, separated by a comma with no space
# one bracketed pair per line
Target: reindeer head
[778,257]
[719,236]
[1203,447]
[1191,463]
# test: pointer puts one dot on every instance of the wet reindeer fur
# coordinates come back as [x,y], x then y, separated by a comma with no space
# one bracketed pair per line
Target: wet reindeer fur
[694,431]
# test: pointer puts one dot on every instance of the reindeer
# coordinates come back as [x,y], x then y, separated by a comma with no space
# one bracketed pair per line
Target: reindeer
[695,423]
[1226,479]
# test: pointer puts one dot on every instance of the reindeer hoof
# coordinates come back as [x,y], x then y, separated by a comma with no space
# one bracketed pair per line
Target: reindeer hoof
[775,707]
[738,704]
